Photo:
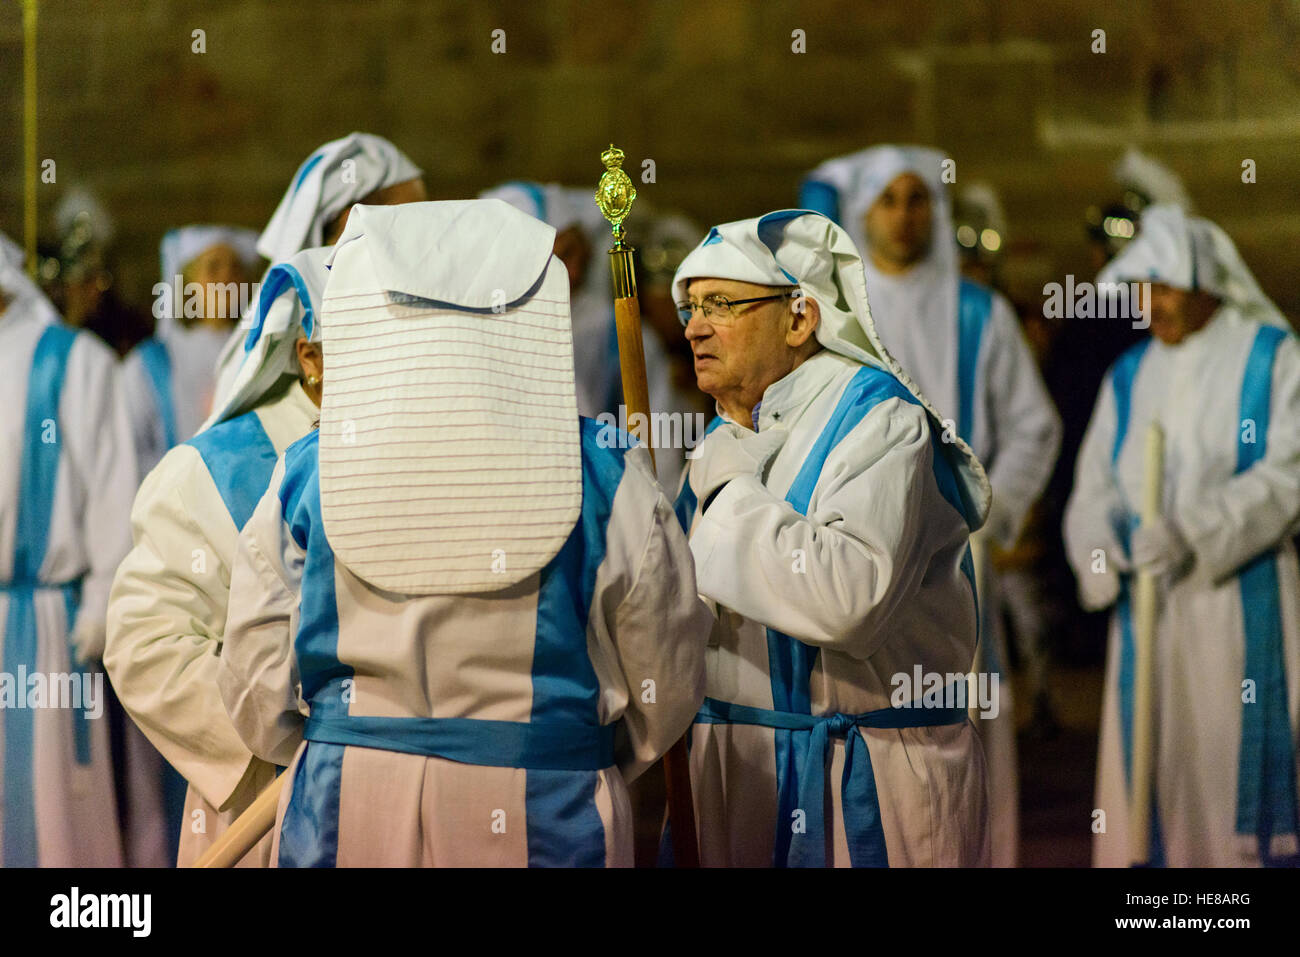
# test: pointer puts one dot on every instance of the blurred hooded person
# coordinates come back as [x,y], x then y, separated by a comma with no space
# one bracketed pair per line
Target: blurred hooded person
[486,612]
[1221,374]
[829,525]
[961,342]
[167,612]
[169,378]
[64,491]
[357,168]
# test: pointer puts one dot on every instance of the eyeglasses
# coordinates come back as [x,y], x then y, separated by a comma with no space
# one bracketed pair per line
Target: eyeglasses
[720,310]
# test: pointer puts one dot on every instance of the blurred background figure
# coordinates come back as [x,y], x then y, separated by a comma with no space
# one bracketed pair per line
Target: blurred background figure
[169,379]
[1220,373]
[66,481]
[961,343]
[77,273]
[167,385]
[1141,180]
[1024,594]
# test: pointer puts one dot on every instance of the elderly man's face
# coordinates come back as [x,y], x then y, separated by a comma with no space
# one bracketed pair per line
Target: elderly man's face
[736,362]
[1177,313]
[899,223]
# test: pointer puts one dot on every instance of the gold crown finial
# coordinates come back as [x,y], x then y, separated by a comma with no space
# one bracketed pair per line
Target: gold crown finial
[614,192]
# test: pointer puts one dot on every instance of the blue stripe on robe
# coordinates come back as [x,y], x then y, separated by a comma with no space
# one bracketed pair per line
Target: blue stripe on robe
[310,829]
[42,446]
[1266,777]
[564,826]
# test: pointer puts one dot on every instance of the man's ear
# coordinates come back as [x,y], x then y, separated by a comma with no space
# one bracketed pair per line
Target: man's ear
[805,315]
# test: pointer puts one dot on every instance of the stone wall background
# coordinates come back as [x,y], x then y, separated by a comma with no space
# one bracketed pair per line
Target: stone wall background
[709,89]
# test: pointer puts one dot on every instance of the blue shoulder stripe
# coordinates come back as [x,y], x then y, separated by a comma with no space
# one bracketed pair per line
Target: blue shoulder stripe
[240,458]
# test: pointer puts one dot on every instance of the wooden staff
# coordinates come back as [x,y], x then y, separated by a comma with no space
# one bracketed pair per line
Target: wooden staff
[249,828]
[29,134]
[1144,620]
[979,555]
[614,196]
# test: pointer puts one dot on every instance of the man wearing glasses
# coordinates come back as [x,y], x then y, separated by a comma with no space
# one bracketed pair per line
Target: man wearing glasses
[829,526]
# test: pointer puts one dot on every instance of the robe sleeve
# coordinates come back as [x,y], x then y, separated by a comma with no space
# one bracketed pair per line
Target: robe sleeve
[1095,509]
[1028,427]
[167,615]
[832,578]
[100,452]
[1254,510]
[258,671]
[649,627]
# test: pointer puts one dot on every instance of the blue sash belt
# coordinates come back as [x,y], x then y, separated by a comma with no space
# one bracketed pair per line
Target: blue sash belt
[550,746]
[866,836]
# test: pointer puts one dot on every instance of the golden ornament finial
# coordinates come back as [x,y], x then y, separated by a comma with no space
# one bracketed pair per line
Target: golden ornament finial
[614,192]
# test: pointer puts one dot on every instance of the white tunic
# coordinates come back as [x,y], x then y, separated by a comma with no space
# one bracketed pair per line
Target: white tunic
[1234,520]
[607,639]
[167,615]
[59,808]
[863,586]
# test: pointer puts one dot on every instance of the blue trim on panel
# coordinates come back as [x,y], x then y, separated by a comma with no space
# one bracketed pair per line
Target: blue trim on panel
[240,458]
[309,830]
[564,826]
[278,279]
[308,165]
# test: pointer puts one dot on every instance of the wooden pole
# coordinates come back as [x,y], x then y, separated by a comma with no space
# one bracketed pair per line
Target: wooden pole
[614,196]
[979,555]
[29,135]
[1144,620]
[247,829]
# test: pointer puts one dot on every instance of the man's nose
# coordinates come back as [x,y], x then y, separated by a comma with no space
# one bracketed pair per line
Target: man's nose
[698,327]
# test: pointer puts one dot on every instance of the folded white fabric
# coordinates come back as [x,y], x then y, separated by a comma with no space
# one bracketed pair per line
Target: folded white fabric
[287,307]
[450,457]
[338,174]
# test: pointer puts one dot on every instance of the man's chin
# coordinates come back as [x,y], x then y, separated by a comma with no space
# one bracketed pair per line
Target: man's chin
[707,382]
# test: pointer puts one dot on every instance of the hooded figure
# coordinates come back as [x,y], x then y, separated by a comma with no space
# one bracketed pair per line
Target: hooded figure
[167,612]
[65,484]
[169,378]
[833,541]
[484,600]
[1221,375]
[357,168]
[963,344]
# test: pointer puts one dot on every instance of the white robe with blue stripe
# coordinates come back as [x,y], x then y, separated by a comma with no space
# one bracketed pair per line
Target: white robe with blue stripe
[168,385]
[1234,519]
[66,814]
[871,578]
[609,632]
[168,609]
